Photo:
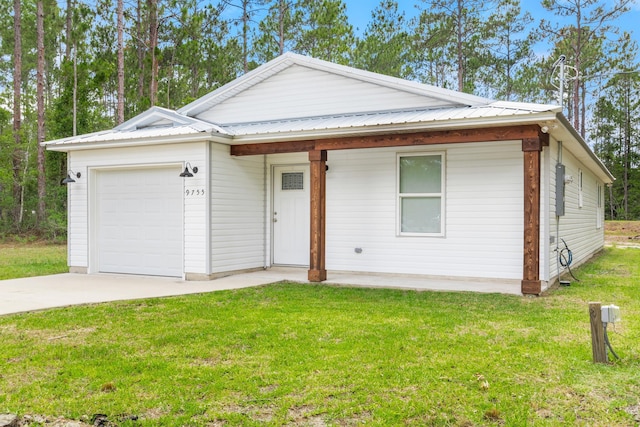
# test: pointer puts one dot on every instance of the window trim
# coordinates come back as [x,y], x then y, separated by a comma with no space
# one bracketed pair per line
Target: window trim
[441,194]
[580,189]
[297,183]
[599,206]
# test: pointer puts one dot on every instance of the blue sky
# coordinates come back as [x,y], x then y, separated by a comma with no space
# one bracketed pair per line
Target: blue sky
[359,12]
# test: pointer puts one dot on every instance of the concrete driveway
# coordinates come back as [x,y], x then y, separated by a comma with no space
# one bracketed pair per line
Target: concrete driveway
[61,290]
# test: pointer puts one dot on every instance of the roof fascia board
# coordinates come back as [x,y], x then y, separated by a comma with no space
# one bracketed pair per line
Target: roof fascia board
[202,137]
[583,144]
[62,141]
[154,114]
[258,74]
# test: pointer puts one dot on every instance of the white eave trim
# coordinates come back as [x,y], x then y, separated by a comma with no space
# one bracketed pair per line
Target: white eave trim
[137,142]
[606,176]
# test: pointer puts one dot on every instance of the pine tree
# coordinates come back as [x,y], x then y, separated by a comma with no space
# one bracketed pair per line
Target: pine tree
[591,22]
[17,157]
[120,29]
[429,44]
[510,50]
[326,33]
[616,130]
[278,31]
[385,46]
[460,32]
[41,110]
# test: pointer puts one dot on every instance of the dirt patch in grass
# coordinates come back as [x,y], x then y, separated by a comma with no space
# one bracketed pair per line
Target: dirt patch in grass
[634,411]
[622,232]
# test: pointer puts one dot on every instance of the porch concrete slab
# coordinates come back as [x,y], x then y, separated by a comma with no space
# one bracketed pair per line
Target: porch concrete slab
[61,290]
[424,283]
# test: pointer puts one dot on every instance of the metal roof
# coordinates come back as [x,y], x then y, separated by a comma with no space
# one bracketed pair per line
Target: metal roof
[175,125]
[384,118]
[152,132]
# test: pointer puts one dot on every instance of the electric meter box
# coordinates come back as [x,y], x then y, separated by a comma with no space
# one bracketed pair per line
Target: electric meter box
[610,314]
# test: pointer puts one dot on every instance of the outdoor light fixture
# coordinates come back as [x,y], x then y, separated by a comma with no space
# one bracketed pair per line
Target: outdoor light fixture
[69,178]
[186,173]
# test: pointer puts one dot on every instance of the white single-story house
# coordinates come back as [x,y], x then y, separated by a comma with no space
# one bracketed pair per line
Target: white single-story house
[303,162]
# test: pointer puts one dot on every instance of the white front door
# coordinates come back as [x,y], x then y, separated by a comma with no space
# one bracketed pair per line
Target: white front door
[290,215]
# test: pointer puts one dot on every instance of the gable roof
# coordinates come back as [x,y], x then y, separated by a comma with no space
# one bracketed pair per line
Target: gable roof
[295,97]
[159,116]
[156,125]
[306,84]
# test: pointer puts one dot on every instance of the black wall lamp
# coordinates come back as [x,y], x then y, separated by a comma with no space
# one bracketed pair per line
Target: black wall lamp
[186,173]
[69,178]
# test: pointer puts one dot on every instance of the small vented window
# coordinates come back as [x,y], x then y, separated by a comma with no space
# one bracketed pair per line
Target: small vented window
[293,181]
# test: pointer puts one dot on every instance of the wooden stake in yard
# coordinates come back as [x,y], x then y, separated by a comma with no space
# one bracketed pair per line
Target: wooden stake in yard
[597,333]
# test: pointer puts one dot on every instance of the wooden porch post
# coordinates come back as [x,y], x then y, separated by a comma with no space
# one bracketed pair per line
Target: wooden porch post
[531,284]
[317,271]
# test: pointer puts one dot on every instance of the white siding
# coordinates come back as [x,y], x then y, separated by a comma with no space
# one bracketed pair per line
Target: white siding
[578,225]
[80,210]
[237,211]
[484,213]
[304,92]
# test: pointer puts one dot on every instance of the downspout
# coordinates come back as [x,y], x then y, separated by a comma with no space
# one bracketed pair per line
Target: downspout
[559,157]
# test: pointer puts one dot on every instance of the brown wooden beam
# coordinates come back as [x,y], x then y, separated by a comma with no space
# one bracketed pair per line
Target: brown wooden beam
[531,249]
[504,133]
[318,167]
[430,138]
[272,148]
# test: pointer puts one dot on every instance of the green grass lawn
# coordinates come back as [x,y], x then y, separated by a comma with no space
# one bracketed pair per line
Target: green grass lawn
[28,259]
[306,355]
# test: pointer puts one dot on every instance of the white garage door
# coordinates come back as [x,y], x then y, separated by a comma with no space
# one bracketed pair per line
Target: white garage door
[139,221]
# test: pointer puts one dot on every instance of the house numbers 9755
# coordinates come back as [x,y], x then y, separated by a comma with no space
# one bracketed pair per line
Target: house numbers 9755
[192,192]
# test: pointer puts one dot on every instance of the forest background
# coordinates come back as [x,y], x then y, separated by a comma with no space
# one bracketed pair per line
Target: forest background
[70,67]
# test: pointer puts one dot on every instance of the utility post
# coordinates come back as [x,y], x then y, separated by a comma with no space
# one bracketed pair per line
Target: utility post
[597,333]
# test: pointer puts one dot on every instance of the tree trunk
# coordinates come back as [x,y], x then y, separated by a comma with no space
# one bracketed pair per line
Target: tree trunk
[583,108]
[40,104]
[153,44]
[16,158]
[120,108]
[75,89]
[68,29]
[612,215]
[459,47]
[626,135]
[282,9]
[141,49]
[245,35]
[577,49]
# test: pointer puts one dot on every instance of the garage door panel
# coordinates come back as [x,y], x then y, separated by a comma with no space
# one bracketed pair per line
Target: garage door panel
[140,221]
